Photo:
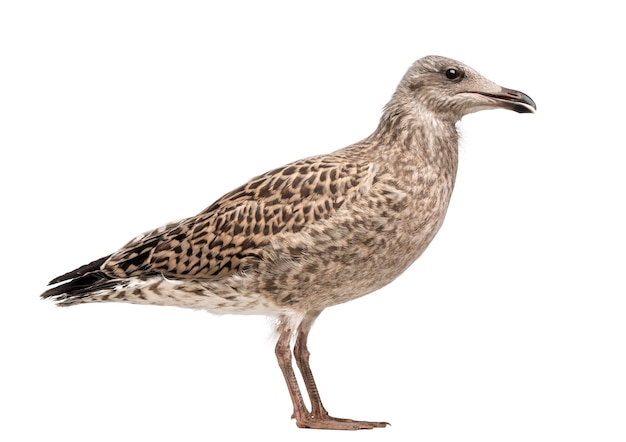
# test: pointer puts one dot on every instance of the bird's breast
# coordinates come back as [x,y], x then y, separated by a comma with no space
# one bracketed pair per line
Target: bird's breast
[363,248]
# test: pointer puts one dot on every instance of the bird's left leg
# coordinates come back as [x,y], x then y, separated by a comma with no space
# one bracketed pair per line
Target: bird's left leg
[319,418]
[301,353]
[283,354]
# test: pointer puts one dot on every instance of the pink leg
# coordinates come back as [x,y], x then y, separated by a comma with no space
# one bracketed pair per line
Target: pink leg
[318,418]
[283,354]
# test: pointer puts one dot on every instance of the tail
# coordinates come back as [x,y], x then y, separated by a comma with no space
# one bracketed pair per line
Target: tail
[79,284]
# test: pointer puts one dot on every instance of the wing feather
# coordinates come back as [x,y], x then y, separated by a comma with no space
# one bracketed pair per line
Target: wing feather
[231,233]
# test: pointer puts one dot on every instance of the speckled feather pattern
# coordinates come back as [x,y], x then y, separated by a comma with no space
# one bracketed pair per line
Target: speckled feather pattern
[317,232]
[312,234]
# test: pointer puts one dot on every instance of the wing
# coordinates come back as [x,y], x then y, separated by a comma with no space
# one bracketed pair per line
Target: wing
[230,234]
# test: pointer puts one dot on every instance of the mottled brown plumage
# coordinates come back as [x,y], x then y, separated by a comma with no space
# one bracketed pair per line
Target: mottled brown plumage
[314,233]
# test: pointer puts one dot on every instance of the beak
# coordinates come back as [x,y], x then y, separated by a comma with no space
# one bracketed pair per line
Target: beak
[513,100]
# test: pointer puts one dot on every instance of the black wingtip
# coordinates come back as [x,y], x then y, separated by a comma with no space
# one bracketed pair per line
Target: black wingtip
[79,286]
[82,270]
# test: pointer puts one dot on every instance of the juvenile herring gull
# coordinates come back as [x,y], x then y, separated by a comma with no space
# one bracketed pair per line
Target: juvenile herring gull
[312,234]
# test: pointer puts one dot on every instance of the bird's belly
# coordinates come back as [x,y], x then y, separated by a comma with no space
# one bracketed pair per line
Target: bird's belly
[344,265]
[226,296]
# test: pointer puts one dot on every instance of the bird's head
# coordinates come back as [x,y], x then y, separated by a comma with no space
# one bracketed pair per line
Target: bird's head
[451,90]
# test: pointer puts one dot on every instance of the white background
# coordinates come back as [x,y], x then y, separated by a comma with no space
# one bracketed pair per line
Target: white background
[118,116]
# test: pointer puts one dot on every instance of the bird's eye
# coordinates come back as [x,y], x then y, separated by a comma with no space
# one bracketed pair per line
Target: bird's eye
[454,74]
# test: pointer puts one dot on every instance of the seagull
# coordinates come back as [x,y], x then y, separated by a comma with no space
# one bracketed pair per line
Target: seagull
[315,233]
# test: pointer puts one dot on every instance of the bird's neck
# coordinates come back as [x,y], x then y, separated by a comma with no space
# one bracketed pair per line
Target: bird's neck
[417,134]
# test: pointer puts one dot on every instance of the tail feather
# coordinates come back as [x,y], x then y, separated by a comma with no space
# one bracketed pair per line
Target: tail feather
[79,283]
[82,270]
